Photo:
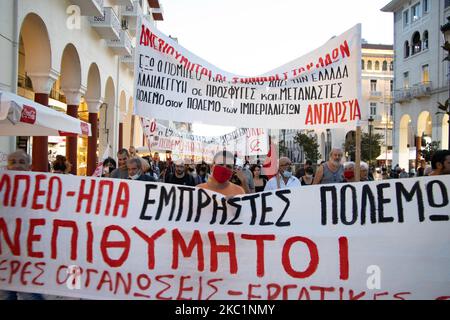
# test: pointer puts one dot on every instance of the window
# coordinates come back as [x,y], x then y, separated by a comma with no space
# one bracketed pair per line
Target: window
[425,6]
[405,18]
[425,40]
[406,80]
[373,85]
[384,65]
[362,64]
[369,65]
[373,108]
[391,85]
[406,49]
[377,65]
[416,43]
[426,73]
[415,12]
[391,109]
[391,66]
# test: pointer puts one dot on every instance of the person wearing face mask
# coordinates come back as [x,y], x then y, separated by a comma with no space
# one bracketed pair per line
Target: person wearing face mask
[222,171]
[135,172]
[308,178]
[331,171]
[349,172]
[284,177]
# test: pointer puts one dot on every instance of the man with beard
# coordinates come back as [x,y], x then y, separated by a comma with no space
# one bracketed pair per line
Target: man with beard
[331,171]
[179,176]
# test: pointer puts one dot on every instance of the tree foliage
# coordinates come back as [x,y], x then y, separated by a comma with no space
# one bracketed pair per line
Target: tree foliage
[370,147]
[309,145]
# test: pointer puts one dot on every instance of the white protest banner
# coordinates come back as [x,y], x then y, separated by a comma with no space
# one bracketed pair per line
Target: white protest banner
[319,90]
[136,240]
[243,142]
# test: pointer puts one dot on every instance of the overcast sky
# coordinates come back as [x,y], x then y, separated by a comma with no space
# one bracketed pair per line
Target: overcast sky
[251,37]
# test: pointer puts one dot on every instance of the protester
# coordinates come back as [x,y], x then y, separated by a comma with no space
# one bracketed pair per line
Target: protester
[259,180]
[19,161]
[222,170]
[384,174]
[427,171]
[308,178]
[440,163]
[109,165]
[402,174]
[242,177]
[202,173]
[122,171]
[421,169]
[349,172]
[135,171]
[331,171]
[364,172]
[302,171]
[179,176]
[132,152]
[284,177]
[60,165]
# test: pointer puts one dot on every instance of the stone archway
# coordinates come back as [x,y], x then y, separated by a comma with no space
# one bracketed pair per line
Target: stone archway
[71,86]
[108,124]
[38,68]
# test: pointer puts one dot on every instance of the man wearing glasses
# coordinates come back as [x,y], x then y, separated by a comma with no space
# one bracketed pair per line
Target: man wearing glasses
[222,171]
[284,178]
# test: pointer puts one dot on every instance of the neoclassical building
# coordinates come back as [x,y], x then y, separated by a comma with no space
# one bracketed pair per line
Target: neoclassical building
[420,77]
[75,56]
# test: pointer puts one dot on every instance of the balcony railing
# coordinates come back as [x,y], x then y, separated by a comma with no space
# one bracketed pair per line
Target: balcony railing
[121,2]
[403,95]
[107,25]
[130,15]
[421,90]
[376,94]
[128,60]
[121,47]
[89,7]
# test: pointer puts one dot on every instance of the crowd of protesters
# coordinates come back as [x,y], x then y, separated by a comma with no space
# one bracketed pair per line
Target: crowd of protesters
[227,169]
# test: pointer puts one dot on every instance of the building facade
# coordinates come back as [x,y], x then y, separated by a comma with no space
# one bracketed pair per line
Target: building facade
[77,57]
[420,77]
[377,82]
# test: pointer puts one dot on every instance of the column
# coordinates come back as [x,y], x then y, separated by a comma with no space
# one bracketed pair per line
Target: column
[121,120]
[73,97]
[93,107]
[42,84]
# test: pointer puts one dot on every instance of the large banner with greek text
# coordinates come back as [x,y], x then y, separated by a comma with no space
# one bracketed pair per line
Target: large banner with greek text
[242,142]
[119,239]
[319,90]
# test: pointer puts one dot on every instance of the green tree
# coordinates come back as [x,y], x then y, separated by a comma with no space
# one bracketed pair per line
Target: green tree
[430,149]
[309,145]
[370,147]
